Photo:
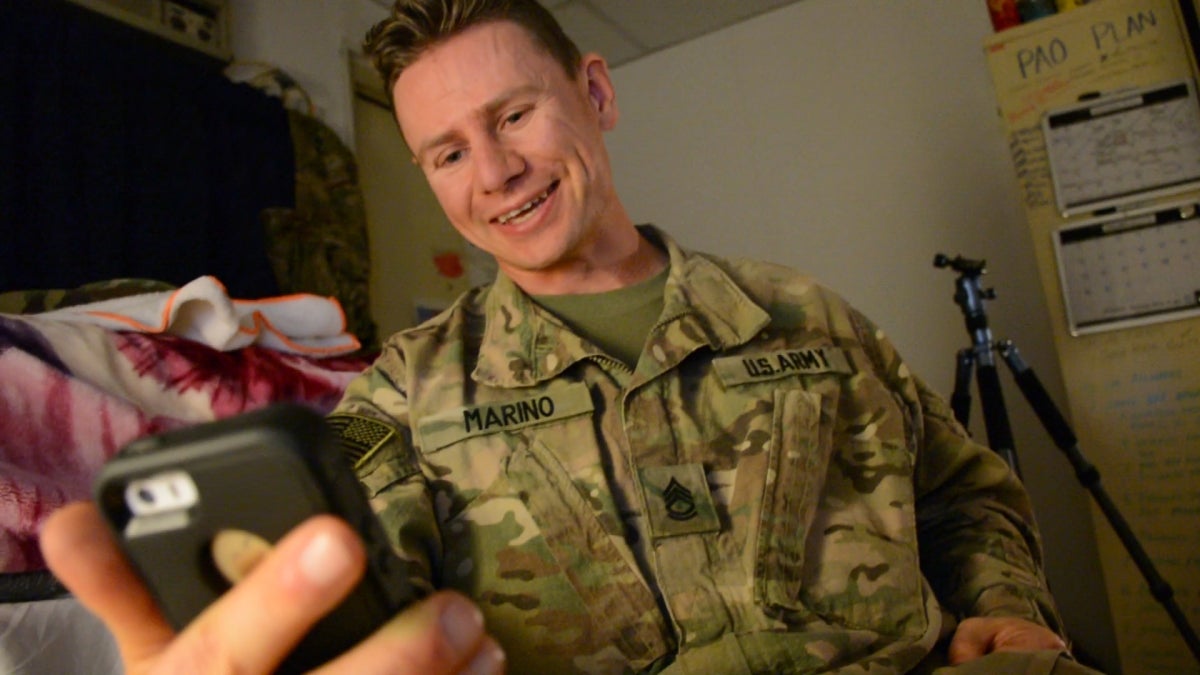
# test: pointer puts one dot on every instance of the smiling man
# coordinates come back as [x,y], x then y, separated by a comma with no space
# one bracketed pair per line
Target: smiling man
[631,457]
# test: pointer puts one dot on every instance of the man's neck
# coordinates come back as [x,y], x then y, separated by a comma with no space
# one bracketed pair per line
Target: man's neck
[629,259]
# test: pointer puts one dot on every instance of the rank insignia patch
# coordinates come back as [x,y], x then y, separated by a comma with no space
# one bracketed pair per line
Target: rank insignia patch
[678,500]
[680,503]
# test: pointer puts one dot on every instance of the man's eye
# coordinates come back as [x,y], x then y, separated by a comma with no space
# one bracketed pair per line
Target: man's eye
[514,117]
[452,157]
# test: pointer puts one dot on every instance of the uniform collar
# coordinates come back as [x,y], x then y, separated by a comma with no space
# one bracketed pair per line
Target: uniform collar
[524,344]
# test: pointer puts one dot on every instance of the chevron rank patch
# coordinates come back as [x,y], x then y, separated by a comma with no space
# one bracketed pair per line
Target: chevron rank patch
[678,500]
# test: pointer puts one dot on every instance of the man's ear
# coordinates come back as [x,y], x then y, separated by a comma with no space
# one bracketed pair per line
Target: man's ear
[600,90]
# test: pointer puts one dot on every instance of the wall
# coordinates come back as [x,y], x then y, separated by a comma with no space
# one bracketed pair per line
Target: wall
[407,226]
[310,41]
[854,139]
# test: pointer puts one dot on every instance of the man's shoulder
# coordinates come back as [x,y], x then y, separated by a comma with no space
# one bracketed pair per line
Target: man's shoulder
[767,283]
[446,333]
[451,323]
[758,278]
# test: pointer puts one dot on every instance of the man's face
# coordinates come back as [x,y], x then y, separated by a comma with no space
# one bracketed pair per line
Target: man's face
[513,147]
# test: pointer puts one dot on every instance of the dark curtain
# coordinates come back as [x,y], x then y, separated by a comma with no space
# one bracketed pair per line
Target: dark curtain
[123,155]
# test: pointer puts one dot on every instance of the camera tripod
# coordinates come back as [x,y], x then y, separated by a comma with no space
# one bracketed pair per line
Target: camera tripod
[970,297]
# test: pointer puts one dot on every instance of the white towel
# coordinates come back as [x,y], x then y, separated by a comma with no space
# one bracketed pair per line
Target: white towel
[202,311]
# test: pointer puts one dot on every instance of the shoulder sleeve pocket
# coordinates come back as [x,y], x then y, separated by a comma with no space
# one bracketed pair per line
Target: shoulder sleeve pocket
[380,453]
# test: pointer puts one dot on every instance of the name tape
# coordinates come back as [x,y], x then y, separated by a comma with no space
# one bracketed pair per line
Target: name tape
[735,370]
[456,425]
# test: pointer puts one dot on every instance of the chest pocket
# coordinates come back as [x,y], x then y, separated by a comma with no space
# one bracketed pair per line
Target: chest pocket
[837,533]
[522,503]
[796,466]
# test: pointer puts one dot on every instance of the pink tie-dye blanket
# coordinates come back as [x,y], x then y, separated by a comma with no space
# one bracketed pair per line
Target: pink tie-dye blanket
[71,395]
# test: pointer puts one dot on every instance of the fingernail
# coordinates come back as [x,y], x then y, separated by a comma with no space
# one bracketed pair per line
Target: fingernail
[325,559]
[489,661]
[462,623]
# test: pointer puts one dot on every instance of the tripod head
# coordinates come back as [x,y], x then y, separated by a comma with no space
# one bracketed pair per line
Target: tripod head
[960,264]
[970,296]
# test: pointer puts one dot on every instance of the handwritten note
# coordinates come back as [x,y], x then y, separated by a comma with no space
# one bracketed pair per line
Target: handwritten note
[1032,165]
[1143,422]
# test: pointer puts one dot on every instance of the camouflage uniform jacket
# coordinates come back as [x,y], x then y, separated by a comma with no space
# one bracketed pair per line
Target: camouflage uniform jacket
[750,499]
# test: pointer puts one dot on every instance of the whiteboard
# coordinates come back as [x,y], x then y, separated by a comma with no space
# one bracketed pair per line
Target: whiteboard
[1124,148]
[1130,269]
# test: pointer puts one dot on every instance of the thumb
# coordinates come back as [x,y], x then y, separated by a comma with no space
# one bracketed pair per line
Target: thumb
[971,640]
[978,636]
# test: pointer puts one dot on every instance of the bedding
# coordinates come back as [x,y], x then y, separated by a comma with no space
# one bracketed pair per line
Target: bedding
[74,390]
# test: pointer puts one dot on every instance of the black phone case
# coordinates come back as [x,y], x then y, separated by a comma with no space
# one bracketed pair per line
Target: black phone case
[262,472]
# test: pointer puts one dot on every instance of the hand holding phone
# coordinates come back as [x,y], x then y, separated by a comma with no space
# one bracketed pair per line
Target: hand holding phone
[166,498]
[440,635]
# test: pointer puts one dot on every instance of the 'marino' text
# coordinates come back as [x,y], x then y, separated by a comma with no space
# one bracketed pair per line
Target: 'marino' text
[509,414]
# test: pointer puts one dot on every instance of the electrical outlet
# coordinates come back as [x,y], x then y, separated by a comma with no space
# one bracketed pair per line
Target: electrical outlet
[198,21]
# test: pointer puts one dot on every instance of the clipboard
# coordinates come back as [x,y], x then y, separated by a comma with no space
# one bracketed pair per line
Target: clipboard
[1130,269]
[1124,148]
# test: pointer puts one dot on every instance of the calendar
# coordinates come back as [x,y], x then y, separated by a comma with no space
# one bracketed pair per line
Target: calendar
[1130,269]
[1124,148]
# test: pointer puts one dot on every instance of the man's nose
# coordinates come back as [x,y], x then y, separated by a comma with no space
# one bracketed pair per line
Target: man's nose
[497,165]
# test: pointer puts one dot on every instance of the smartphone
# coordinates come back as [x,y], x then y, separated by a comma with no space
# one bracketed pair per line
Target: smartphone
[166,496]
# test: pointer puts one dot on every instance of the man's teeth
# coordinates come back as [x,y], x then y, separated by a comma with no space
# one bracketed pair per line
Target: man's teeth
[524,208]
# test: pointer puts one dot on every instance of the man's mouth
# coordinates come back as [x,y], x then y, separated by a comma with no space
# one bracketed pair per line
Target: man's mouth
[523,211]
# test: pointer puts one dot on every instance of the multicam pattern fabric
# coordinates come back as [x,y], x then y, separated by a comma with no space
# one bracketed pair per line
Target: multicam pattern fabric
[770,490]
[44,300]
[321,246]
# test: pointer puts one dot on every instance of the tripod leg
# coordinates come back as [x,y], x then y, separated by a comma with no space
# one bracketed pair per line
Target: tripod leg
[1039,399]
[995,417]
[1056,425]
[960,398]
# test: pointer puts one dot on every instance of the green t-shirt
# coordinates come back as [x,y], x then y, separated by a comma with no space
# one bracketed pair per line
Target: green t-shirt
[617,321]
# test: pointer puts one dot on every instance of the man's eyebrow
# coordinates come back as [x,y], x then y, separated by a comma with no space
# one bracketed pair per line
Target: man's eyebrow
[508,95]
[436,141]
[489,109]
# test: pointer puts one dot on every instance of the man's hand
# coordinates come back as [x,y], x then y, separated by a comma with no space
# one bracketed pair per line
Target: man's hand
[978,636]
[251,628]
